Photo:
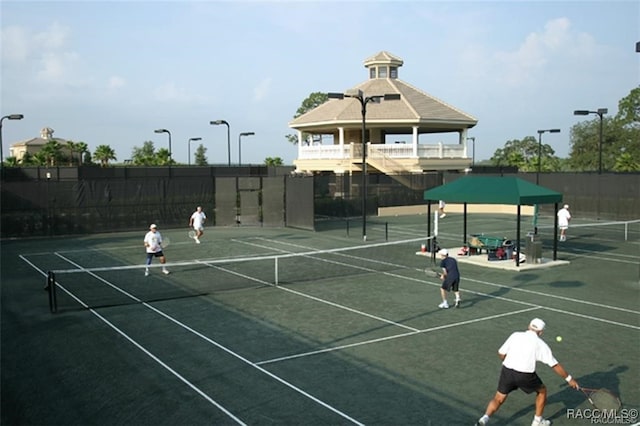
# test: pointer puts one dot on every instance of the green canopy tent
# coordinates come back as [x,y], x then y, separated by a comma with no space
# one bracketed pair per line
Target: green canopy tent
[494,190]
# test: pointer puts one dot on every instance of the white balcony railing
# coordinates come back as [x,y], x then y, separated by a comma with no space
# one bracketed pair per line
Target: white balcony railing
[395,151]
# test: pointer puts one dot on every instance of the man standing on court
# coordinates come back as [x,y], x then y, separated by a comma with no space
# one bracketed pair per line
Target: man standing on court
[441,206]
[197,222]
[153,244]
[450,277]
[519,354]
[563,221]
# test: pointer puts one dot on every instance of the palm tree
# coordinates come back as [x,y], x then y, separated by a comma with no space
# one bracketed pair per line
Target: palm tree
[73,148]
[51,152]
[81,148]
[104,153]
[273,161]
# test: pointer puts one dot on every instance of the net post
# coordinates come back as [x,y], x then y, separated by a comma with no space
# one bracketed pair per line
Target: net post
[386,231]
[347,227]
[276,272]
[51,289]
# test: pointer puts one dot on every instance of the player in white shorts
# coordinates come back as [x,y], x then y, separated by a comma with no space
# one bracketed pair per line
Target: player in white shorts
[197,223]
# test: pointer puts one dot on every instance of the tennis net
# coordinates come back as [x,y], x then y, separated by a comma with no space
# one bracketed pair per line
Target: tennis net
[112,286]
[603,231]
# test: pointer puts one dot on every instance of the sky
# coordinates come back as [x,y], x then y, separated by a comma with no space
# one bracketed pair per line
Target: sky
[111,72]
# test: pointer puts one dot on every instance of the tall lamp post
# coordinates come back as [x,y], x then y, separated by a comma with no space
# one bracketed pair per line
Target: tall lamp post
[364,100]
[600,112]
[217,123]
[540,132]
[240,146]
[169,133]
[8,117]
[189,149]
[473,158]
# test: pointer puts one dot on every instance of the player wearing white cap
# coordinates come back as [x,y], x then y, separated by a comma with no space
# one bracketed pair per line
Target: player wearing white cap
[153,244]
[519,354]
[450,277]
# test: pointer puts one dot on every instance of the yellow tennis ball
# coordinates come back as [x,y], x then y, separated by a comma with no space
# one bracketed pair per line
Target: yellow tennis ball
[558,338]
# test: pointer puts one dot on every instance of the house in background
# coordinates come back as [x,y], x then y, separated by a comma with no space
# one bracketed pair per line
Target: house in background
[34,145]
[416,113]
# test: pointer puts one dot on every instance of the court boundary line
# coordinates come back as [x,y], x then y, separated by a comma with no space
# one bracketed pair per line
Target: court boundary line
[396,336]
[537,293]
[216,344]
[135,343]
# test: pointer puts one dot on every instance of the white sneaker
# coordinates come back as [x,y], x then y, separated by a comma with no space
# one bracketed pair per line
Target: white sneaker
[442,215]
[457,305]
[166,271]
[443,305]
[197,240]
[543,422]
[146,272]
[482,422]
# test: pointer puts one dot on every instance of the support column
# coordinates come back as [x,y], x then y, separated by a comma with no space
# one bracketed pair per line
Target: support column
[414,141]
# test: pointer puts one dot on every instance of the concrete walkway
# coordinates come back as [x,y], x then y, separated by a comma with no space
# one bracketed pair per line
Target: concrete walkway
[507,265]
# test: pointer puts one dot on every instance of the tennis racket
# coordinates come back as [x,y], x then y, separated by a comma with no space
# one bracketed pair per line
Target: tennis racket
[435,272]
[192,234]
[602,399]
[165,243]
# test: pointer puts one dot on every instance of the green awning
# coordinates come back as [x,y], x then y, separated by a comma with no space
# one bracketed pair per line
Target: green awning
[493,190]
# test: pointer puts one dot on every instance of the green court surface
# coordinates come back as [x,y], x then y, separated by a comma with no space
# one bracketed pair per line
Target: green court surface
[351,333]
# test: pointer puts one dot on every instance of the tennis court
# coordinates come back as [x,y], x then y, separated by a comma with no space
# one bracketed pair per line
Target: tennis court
[263,326]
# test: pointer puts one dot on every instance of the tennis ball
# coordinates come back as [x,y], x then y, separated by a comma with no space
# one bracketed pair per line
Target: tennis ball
[558,338]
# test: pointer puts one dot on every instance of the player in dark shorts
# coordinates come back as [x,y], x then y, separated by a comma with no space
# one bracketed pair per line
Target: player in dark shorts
[450,279]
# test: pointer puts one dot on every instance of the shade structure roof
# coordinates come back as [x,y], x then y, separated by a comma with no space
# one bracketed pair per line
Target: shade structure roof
[493,190]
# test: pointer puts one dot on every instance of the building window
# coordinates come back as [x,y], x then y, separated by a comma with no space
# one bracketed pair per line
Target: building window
[372,72]
[382,72]
[394,72]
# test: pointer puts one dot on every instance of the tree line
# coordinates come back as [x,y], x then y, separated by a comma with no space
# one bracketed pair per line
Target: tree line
[69,153]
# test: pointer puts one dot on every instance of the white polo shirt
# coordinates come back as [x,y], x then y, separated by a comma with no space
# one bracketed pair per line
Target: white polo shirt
[523,349]
[198,219]
[154,241]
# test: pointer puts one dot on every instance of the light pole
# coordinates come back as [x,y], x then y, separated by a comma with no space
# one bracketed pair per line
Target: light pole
[217,123]
[169,133]
[364,100]
[8,117]
[540,132]
[600,112]
[473,158]
[189,150]
[240,147]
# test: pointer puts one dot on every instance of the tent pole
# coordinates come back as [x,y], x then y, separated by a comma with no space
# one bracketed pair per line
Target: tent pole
[555,232]
[518,239]
[428,218]
[464,228]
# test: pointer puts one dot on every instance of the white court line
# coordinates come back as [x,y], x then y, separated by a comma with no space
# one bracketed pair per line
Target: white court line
[136,344]
[396,336]
[537,293]
[218,345]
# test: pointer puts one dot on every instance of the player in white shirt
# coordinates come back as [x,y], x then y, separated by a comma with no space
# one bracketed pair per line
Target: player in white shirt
[519,354]
[197,223]
[153,244]
[563,221]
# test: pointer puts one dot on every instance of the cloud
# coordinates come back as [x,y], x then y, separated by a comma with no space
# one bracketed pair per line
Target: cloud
[262,89]
[554,45]
[115,82]
[169,92]
[15,44]
[58,67]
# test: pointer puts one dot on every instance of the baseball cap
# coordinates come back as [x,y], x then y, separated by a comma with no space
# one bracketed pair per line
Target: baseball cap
[566,206]
[152,226]
[443,252]
[537,324]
